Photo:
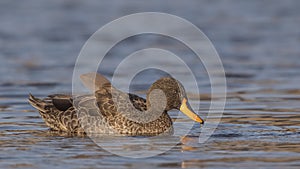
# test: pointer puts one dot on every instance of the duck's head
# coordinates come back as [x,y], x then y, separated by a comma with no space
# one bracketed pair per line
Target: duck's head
[169,93]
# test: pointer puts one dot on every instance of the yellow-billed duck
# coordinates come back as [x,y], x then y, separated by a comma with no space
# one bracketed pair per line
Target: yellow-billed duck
[111,111]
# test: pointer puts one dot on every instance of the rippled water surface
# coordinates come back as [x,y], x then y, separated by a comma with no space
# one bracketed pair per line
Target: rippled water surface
[258,42]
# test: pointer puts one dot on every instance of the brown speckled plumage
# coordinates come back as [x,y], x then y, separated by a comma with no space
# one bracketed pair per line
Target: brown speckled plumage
[99,113]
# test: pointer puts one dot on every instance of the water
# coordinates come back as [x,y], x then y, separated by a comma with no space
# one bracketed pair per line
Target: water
[258,42]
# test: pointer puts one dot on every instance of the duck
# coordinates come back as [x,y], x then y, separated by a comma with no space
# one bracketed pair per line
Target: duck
[110,111]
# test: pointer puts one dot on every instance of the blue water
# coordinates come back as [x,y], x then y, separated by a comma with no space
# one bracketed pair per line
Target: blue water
[258,42]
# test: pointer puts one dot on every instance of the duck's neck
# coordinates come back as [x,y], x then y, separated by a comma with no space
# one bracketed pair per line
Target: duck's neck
[157,123]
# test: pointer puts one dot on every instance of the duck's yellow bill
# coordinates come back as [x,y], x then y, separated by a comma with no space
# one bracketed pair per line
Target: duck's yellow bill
[187,110]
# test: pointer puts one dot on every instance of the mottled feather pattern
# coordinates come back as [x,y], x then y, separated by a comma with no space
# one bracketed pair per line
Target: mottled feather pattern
[117,115]
[92,120]
[110,111]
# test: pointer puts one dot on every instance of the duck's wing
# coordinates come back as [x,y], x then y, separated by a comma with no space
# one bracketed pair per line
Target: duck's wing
[91,119]
[127,113]
[61,102]
[93,81]
[138,102]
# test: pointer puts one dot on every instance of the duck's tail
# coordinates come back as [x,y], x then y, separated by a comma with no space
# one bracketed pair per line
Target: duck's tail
[44,107]
[37,103]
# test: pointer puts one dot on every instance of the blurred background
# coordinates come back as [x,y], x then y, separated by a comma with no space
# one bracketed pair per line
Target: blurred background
[258,42]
